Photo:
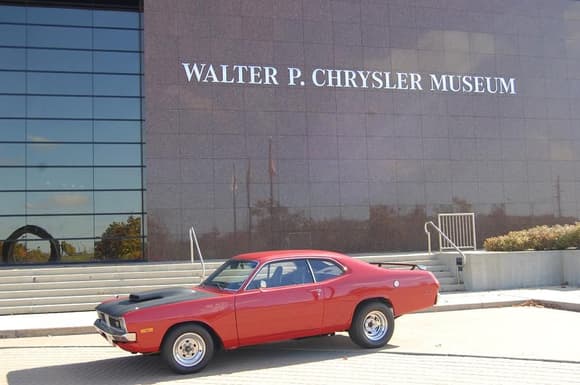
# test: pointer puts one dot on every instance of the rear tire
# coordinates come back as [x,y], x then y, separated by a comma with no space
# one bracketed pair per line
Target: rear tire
[187,348]
[373,325]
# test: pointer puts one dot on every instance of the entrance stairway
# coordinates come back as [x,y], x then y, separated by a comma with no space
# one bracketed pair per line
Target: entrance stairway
[40,289]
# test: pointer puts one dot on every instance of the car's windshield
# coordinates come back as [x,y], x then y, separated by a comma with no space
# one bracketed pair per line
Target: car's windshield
[231,275]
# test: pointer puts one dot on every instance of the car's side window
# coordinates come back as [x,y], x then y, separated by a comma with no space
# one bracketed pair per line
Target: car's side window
[324,269]
[282,273]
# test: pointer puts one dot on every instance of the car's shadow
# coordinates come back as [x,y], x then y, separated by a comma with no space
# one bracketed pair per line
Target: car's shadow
[138,369]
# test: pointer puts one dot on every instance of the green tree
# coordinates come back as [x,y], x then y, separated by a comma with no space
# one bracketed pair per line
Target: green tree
[121,240]
[67,248]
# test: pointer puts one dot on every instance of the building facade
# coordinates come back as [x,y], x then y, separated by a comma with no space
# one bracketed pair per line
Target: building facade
[268,124]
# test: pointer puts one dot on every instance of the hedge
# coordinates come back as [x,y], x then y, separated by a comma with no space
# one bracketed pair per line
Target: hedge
[557,237]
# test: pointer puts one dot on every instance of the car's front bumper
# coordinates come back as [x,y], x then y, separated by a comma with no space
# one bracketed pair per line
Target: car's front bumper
[112,334]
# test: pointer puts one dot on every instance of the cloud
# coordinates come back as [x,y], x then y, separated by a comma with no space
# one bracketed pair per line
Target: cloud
[41,142]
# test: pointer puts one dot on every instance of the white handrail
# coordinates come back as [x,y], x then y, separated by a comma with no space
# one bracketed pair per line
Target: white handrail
[443,235]
[193,237]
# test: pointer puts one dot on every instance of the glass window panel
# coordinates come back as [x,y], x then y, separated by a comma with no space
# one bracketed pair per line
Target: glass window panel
[9,224]
[12,82]
[102,222]
[12,35]
[117,131]
[10,14]
[60,16]
[60,107]
[60,84]
[59,178]
[12,58]
[12,178]
[117,108]
[116,39]
[12,106]
[11,154]
[116,19]
[115,178]
[12,203]
[59,37]
[118,201]
[66,202]
[47,154]
[60,130]
[76,226]
[117,62]
[59,60]
[118,85]
[118,154]
[12,130]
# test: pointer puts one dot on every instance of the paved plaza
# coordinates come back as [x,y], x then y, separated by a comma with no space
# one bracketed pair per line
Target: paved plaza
[510,345]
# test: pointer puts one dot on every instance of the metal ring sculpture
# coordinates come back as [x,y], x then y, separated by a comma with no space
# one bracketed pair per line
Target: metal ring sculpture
[10,243]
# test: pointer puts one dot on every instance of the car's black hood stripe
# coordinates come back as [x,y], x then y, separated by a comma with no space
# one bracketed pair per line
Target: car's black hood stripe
[151,298]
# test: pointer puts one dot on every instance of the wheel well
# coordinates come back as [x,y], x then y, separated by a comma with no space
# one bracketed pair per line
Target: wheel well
[216,339]
[386,301]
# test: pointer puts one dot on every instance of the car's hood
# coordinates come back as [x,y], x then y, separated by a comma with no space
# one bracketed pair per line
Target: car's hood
[151,298]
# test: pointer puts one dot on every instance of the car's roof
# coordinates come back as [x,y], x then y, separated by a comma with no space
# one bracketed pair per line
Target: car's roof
[266,256]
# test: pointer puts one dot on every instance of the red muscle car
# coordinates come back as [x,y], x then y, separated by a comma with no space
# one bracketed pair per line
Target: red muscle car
[263,297]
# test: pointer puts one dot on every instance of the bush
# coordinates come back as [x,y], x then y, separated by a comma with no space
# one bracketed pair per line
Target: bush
[537,238]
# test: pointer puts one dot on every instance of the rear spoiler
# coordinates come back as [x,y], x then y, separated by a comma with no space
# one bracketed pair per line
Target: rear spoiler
[413,266]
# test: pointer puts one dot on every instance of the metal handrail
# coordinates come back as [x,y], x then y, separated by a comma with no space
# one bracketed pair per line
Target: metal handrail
[441,233]
[193,237]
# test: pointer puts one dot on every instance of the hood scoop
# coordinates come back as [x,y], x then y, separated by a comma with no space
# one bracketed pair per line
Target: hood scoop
[158,294]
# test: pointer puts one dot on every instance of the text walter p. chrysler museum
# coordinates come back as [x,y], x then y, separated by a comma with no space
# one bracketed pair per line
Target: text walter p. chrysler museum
[347,78]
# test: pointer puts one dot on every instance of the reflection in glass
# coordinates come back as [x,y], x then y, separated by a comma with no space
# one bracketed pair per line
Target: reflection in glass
[66,202]
[71,226]
[60,16]
[118,178]
[10,14]
[12,58]
[9,224]
[118,201]
[116,19]
[116,39]
[117,108]
[118,154]
[117,131]
[121,238]
[58,37]
[11,203]
[59,84]
[12,178]
[60,107]
[11,154]
[12,106]
[41,153]
[117,85]
[117,62]
[12,35]
[59,60]
[59,130]
[12,82]
[11,130]
[59,178]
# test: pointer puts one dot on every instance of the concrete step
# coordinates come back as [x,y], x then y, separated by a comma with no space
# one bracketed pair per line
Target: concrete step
[170,281]
[24,279]
[40,309]
[452,287]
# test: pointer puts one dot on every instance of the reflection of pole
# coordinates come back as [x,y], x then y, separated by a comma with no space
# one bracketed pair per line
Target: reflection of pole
[271,172]
[559,196]
[234,189]
[249,201]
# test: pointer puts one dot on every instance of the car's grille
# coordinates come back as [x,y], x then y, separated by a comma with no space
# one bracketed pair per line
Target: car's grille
[111,321]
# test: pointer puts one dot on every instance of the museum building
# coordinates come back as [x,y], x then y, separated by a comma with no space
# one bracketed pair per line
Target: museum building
[269,124]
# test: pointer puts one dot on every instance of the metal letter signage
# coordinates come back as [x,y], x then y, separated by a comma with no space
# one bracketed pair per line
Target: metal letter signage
[348,78]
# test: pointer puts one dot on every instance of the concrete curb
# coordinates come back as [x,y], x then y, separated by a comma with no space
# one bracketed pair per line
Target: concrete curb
[64,331]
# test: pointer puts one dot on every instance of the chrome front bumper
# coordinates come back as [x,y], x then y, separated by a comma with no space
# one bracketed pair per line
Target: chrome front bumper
[112,334]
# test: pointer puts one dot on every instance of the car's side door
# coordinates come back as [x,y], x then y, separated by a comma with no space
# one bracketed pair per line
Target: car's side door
[281,302]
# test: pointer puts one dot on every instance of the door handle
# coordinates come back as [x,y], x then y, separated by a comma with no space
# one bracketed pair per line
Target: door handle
[316,292]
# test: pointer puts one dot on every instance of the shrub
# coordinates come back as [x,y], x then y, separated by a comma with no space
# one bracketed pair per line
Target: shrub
[556,237]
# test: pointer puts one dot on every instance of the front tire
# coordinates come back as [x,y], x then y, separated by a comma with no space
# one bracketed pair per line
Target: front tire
[188,348]
[373,325]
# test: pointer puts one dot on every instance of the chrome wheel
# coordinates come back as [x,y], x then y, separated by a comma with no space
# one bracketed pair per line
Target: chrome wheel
[189,349]
[375,325]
